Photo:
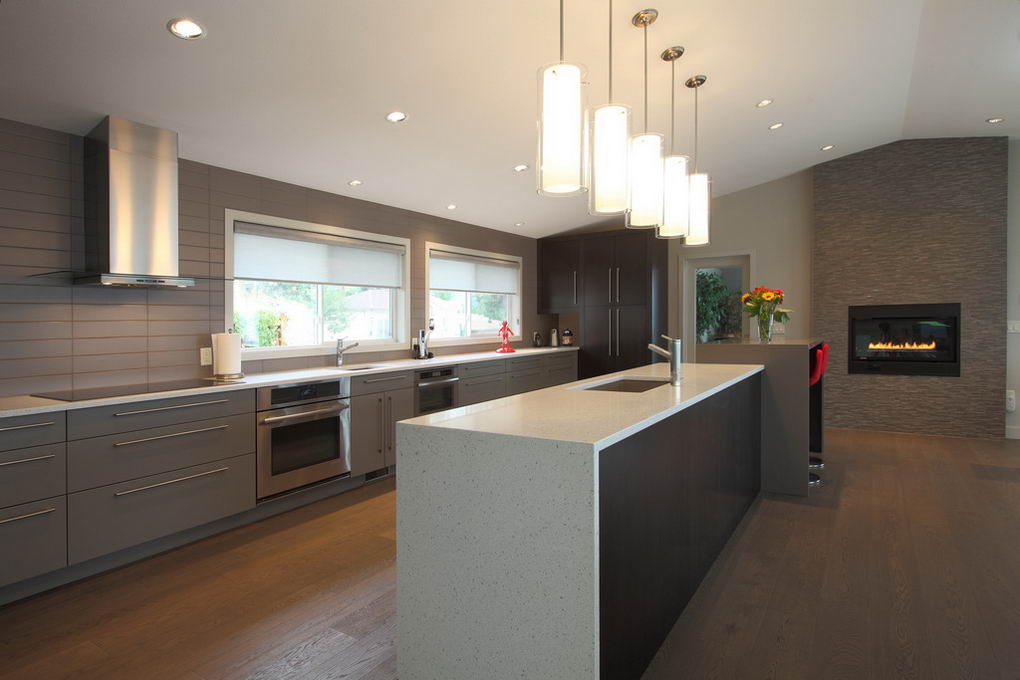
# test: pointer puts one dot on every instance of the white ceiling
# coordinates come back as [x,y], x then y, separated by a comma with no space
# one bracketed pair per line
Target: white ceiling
[298,90]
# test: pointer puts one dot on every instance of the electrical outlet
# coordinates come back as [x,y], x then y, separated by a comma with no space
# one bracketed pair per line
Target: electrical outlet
[1010,401]
[1013,326]
[205,356]
[779,328]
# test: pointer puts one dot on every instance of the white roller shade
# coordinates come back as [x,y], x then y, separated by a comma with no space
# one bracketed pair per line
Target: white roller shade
[280,254]
[453,271]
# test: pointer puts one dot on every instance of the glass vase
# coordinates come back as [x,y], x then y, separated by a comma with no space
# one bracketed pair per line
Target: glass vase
[765,327]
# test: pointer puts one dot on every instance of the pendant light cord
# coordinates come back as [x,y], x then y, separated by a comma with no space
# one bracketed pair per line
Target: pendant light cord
[561,31]
[696,129]
[646,76]
[610,52]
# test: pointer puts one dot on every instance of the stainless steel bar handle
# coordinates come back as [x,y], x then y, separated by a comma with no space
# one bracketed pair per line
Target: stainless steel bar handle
[610,331]
[172,481]
[25,427]
[170,436]
[389,422]
[171,408]
[28,460]
[486,381]
[617,331]
[575,286]
[26,516]
[303,414]
[377,380]
[382,419]
[617,284]
[440,381]
[610,272]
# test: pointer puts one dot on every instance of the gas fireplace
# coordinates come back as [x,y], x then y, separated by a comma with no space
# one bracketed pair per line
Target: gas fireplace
[905,339]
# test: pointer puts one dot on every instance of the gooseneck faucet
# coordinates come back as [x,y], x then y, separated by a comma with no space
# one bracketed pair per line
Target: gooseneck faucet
[341,349]
[674,356]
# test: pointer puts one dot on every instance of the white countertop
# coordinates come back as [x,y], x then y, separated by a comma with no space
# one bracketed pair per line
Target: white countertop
[570,414]
[27,405]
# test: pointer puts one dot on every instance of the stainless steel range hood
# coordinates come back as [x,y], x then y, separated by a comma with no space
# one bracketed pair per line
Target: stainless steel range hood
[131,206]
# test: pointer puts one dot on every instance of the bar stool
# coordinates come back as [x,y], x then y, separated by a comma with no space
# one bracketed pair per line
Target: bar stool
[820,361]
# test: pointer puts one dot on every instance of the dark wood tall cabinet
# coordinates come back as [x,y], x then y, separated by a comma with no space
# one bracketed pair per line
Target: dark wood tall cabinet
[616,283]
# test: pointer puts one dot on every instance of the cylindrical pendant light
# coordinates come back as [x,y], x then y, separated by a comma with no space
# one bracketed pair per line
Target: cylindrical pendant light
[561,127]
[645,172]
[610,133]
[675,182]
[700,184]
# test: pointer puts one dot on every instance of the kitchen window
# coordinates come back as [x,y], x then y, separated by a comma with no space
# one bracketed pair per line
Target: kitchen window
[472,292]
[299,287]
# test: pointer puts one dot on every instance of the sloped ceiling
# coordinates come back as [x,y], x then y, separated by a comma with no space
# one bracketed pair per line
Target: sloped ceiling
[298,90]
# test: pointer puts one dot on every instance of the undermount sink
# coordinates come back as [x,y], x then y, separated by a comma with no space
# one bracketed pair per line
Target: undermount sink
[625,384]
[356,368]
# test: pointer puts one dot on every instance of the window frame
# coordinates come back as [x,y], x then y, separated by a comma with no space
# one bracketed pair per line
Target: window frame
[518,303]
[401,313]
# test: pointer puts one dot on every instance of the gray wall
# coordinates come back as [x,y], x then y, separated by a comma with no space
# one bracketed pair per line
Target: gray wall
[910,222]
[53,335]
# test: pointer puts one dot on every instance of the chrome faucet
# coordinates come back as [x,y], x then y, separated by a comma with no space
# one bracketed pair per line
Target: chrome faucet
[341,349]
[674,356]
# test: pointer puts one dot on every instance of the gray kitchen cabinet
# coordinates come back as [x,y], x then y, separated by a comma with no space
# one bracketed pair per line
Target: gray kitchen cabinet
[518,382]
[373,384]
[95,422]
[100,461]
[32,473]
[20,432]
[33,539]
[482,388]
[480,368]
[373,428]
[110,518]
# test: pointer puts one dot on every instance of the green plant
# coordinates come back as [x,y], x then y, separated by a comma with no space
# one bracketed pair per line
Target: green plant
[268,328]
[717,306]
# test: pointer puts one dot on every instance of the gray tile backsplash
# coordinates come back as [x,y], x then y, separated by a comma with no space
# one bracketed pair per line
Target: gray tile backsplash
[53,336]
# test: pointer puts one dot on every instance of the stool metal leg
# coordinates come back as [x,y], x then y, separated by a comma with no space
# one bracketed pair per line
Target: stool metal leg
[814,480]
[816,463]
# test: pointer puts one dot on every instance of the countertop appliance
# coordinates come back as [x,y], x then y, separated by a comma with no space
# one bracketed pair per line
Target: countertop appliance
[436,389]
[303,435]
[131,216]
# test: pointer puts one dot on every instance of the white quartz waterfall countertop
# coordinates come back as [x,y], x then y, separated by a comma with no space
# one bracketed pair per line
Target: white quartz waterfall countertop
[23,405]
[570,413]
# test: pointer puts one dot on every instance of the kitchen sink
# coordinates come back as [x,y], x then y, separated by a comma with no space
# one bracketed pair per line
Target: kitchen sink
[625,384]
[357,368]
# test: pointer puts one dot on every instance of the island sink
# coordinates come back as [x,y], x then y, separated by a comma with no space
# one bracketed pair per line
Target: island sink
[627,384]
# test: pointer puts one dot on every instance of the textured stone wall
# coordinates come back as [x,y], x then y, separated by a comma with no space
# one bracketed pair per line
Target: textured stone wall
[915,221]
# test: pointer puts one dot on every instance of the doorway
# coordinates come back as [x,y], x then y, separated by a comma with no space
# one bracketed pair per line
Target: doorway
[710,299]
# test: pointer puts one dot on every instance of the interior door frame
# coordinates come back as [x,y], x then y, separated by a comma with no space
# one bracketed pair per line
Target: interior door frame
[687,289]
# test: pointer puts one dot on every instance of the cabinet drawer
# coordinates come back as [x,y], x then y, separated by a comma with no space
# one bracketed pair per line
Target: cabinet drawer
[369,384]
[482,368]
[525,363]
[19,432]
[31,474]
[129,455]
[524,381]
[553,362]
[94,422]
[33,539]
[482,388]
[110,518]
[560,376]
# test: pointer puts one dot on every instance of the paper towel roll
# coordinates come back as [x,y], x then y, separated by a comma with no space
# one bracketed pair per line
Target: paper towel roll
[226,353]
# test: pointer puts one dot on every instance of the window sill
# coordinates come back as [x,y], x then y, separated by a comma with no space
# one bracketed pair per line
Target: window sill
[475,340]
[263,353]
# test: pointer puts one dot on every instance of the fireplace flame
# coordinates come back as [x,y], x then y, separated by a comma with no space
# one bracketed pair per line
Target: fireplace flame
[908,346]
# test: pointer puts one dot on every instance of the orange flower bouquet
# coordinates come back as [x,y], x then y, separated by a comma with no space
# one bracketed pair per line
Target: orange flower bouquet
[763,304]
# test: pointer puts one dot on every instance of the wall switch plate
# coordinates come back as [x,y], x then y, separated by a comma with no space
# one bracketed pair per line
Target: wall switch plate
[1013,326]
[205,356]
[1010,401]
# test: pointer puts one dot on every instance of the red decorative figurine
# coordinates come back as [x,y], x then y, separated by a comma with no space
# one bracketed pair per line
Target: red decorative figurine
[505,333]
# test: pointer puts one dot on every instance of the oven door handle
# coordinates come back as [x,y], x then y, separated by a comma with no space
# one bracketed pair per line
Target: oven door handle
[440,381]
[294,416]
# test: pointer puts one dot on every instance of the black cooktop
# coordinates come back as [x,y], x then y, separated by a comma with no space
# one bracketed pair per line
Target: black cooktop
[84,394]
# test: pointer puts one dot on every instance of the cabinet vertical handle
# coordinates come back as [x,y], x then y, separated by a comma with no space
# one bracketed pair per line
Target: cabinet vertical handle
[382,442]
[610,331]
[389,423]
[617,331]
[610,273]
[575,286]
[617,284]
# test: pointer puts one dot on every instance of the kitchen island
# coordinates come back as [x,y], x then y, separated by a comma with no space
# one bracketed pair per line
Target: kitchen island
[560,533]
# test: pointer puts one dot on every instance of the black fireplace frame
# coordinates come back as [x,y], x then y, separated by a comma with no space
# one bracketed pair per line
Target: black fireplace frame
[887,367]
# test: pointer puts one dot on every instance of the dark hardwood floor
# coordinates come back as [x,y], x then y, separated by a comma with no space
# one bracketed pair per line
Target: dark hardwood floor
[905,564]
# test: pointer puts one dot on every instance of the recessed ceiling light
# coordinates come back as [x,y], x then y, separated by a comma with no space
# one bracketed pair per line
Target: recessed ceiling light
[518,224]
[396,116]
[355,182]
[828,147]
[520,168]
[452,206]
[775,126]
[763,103]
[186,29]
[993,121]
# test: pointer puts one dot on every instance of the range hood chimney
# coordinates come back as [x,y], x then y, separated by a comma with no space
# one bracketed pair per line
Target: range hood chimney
[131,206]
